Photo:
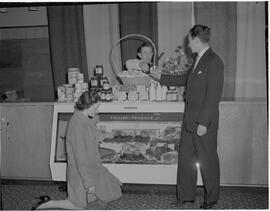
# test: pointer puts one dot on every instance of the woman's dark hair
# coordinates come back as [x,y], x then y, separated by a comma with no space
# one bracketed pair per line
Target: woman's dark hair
[202,32]
[86,100]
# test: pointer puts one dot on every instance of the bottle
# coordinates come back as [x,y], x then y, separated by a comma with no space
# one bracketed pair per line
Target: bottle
[158,93]
[164,93]
[152,92]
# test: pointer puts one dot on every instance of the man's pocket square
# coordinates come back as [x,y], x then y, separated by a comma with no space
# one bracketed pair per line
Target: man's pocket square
[200,72]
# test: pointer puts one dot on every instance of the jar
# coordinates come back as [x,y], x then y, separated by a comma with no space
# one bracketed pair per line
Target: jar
[172,95]
[98,70]
[94,82]
[61,93]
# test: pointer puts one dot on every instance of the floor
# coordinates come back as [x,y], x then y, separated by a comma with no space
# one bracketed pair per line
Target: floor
[137,197]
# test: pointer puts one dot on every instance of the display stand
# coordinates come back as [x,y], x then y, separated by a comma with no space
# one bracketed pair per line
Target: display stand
[122,115]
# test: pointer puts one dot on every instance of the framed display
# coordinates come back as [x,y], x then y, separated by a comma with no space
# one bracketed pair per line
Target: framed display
[138,143]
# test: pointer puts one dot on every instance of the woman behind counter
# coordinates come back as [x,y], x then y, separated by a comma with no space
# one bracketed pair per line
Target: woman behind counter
[85,172]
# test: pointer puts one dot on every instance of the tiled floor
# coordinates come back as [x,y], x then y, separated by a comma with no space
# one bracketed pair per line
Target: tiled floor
[17,197]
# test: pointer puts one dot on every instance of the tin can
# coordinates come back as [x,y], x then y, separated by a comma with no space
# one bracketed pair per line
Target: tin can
[108,97]
[72,75]
[80,78]
[103,96]
[103,80]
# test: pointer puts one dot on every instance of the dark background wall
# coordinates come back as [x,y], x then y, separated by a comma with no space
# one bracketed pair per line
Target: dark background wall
[25,63]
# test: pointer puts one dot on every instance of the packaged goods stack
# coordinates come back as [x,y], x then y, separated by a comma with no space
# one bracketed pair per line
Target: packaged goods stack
[76,86]
[100,85]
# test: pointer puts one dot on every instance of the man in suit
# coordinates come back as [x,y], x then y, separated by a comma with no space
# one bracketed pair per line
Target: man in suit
[204,84]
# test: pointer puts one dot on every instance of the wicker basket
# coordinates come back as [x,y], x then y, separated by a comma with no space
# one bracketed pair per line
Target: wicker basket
[134,80]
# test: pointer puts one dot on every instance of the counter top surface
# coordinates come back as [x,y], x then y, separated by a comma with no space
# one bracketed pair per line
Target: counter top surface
[128,103]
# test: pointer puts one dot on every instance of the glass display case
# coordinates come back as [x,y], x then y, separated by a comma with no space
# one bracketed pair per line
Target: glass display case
[138,141]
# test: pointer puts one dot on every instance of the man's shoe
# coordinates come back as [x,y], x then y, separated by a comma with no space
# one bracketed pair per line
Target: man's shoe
[182,202]
[208,205]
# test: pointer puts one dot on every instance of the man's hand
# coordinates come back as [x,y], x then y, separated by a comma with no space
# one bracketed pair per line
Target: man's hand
[91,190]
[201,130]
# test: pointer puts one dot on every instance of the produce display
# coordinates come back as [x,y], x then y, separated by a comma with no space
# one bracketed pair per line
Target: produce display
[142,146]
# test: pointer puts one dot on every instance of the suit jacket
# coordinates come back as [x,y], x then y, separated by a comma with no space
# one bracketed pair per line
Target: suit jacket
[203,91]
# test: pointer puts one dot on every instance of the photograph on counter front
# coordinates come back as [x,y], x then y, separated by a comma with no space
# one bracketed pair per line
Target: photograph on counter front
[156,145]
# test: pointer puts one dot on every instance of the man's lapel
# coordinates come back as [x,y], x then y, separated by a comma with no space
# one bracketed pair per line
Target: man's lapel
[201,61]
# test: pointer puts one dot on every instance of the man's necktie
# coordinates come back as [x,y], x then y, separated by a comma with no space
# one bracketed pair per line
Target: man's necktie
[196,62]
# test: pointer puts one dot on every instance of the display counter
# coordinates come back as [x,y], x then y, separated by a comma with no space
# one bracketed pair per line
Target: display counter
[142,146]
[27,137]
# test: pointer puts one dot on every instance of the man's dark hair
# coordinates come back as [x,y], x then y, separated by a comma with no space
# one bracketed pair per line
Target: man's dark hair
[145,44]
[202,32]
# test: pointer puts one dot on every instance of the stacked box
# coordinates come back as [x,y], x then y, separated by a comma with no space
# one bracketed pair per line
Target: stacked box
[72,75]
[69,91]
[80,78]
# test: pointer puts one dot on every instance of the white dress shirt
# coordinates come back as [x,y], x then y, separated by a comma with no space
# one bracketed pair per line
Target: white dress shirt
[199,56]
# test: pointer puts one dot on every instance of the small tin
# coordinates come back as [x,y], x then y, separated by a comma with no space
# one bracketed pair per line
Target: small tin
[106,86]
[103,80]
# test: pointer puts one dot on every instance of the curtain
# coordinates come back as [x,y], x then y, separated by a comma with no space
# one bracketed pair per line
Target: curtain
[251,60]
[138,18]
[174,22]
[221,17]
[101,24]
[67,43]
